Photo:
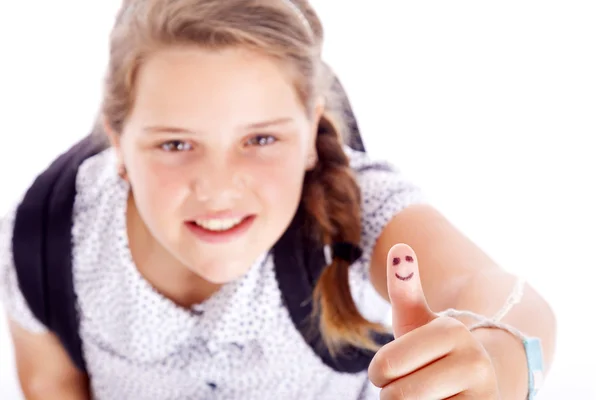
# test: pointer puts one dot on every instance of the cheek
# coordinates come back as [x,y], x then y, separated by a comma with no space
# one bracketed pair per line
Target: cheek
[158,189]
[280,184]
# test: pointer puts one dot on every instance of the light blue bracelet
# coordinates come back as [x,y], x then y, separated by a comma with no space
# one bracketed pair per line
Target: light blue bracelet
[535,364]
[532,345]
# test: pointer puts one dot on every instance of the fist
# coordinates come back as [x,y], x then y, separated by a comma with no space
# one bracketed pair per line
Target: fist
[431,357]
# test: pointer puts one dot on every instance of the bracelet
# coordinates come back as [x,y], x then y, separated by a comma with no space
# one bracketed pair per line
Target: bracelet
[532,345]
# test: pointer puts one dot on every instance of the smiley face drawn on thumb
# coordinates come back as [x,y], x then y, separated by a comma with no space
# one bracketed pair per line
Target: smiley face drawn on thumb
[409,306]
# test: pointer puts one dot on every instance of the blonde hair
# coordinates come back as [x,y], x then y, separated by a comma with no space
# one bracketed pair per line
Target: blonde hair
[290,33]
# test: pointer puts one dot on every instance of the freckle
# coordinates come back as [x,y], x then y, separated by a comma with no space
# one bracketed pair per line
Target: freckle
[396,260]
[409,259]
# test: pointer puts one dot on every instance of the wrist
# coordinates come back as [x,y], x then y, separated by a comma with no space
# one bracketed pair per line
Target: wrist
[509,360]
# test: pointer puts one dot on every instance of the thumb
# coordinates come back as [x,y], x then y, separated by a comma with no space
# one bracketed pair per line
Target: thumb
[409,306]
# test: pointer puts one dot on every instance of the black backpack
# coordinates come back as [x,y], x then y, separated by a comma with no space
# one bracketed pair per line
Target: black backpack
[42,256]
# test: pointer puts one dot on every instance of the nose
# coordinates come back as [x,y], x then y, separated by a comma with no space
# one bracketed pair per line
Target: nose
[220,184]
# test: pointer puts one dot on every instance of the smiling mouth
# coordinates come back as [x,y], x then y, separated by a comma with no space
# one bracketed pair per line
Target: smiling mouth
[404,278]
[219,225]
[221,232]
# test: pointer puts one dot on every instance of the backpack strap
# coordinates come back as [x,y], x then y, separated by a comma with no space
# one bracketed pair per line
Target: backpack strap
[42,246]
[299,260]
[354,139]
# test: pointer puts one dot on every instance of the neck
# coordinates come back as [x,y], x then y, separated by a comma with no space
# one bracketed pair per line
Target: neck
[161,269]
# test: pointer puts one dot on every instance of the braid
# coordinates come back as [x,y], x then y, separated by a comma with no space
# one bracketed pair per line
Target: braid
[332,198]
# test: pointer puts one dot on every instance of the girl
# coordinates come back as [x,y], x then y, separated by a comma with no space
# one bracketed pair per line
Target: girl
[223,133]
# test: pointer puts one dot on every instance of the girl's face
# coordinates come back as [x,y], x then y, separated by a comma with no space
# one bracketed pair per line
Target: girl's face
[215,149]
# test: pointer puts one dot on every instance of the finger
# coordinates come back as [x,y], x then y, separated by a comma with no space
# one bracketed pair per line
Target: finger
[470,395]
[415,350]
[409,306]
[442,379]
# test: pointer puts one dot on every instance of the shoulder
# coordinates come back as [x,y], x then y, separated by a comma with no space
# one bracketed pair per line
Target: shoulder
[385,191]
[98,212]
[382,184]
[100,197]
[96,174]
[11,297]
[92,180]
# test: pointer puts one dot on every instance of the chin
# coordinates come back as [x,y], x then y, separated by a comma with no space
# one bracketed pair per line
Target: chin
[222,272]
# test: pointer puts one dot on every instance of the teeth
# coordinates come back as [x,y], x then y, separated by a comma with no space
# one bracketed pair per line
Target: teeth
[219,224]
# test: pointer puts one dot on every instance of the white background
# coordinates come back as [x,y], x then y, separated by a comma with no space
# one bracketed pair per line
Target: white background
[492,107]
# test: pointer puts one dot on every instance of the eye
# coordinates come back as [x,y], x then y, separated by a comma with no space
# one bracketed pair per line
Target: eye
[261,140]
[175,146]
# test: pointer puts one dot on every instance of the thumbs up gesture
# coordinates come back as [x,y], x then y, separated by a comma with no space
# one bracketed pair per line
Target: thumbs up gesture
[432,357]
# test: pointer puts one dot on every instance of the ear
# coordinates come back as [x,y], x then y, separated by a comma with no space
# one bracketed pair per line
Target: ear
[317,114]
[115,141]
[113,137]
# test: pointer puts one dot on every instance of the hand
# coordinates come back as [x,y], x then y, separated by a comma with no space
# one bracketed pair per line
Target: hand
[431,357]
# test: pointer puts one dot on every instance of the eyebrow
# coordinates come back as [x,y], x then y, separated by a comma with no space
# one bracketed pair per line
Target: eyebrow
[266,124]
[255,125]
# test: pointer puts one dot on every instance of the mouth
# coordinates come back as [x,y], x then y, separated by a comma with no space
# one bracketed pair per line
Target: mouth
[220,230]
[219,225]
[405,278]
